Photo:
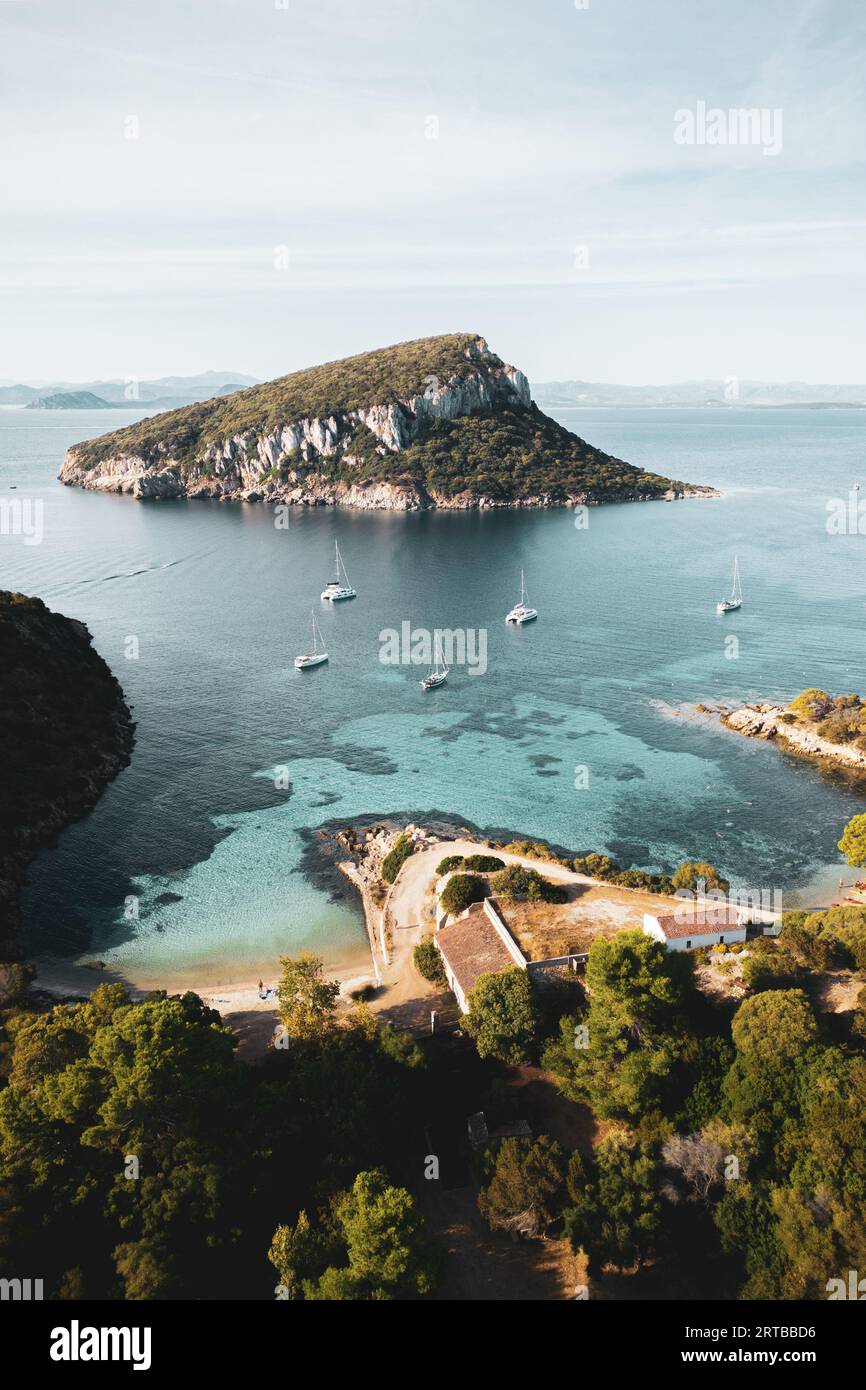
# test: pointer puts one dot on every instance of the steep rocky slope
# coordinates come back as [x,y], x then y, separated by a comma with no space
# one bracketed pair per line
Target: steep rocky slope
[65,732]
[441,422]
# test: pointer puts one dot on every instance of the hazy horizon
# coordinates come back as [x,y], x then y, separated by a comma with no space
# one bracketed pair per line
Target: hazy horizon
[282,186]
[230,376]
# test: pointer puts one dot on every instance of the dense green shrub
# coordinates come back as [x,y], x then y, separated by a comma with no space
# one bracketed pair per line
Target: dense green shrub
[451,861]
[699,877]
[771,970]
[526,885]
[824,940]
[462,891]
[811,703]
[639,878]
[483,863]
[596,866]
[428,962]
[601,866]
[840,718]
[393,862]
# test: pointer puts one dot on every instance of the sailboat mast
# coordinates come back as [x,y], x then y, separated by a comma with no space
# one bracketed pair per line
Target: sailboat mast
[342,577]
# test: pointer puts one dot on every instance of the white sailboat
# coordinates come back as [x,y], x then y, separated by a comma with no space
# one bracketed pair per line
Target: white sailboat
[521,612]
[318,655]
[339,588]
[439,673]
[729,605]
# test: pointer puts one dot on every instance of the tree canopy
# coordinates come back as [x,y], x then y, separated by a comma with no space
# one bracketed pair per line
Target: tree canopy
[307,999]
[503,1016]
[461,892]
[133,1121]
[376,1238]
[853,841]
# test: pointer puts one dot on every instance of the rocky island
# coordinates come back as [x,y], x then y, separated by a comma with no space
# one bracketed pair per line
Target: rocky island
[65,732]
[440,422]
[69,400]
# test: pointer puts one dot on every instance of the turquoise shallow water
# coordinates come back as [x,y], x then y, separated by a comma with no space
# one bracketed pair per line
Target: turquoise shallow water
[219,601]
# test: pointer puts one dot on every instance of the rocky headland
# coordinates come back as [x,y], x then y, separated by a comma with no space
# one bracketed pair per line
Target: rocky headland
[65,733]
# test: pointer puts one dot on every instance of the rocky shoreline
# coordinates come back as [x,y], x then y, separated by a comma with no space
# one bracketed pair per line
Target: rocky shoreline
[134,478]
[368,848]
[770,721]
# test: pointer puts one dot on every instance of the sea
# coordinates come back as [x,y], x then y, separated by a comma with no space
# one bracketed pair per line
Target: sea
[579,729]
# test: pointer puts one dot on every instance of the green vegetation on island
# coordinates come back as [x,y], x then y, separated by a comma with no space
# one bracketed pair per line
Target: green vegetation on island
[837,718]
[515,453]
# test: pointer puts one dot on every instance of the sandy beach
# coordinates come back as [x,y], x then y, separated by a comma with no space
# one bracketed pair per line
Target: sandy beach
[238,1001]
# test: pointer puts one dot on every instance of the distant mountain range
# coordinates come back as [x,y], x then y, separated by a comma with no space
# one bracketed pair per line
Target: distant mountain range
[730,392]
[170,392]
[162,393]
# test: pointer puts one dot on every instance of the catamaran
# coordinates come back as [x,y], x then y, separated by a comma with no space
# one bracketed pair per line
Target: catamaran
[728,605]
[521,612]
[318,654]
[339,587]
[439,673]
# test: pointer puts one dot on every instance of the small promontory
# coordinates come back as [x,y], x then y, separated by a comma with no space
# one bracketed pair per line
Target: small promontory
[815,724]
[65,732]
[440,422]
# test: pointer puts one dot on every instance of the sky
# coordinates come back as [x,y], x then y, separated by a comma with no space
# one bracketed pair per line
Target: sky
[259,185]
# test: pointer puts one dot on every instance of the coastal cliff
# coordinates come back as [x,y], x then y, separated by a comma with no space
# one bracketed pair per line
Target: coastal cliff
[65,733]
[441,422]
[771,721]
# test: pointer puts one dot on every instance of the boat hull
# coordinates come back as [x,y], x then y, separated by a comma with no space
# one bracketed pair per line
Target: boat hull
[338,595]
[305,663]
[520,618]
[726,607]
[432,682]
